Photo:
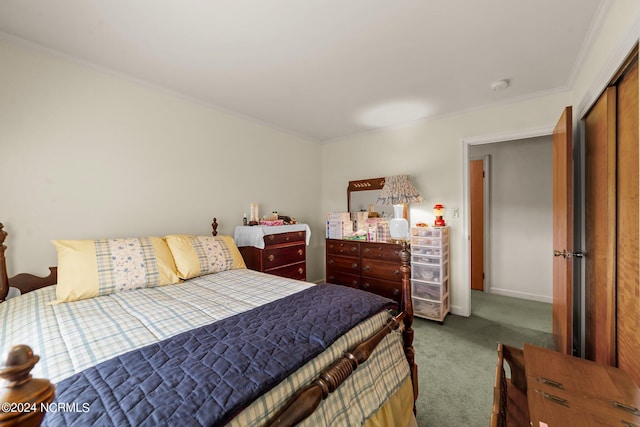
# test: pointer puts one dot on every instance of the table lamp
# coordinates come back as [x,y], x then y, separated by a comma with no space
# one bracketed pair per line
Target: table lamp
[398,191]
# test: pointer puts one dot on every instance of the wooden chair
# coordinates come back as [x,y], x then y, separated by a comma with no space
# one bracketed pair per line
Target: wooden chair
[510,406]
[498,413]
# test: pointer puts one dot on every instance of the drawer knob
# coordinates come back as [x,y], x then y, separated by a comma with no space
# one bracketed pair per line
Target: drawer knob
[300,270]
[354,283]
[287,238]
[366,268]
[331,261]
[271,237]
[300,252]
[366,285]
[396,272]
[354,265]
[271,257]
[396,292]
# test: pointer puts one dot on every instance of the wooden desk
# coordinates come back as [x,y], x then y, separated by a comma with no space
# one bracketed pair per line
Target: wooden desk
[568,391]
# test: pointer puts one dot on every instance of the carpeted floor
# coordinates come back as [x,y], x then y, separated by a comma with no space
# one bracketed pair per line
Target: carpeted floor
[456,360]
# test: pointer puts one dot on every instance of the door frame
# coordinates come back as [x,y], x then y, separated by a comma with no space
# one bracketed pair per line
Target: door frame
[465,308]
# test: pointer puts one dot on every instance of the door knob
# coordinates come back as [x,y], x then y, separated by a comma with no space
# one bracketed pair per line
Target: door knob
[565,254]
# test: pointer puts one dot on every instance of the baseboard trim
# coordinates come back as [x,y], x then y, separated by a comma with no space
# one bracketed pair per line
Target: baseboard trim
[521,295]
[457,310]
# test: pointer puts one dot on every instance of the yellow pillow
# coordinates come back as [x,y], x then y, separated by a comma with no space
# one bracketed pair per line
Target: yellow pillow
[199,255]
[89,268]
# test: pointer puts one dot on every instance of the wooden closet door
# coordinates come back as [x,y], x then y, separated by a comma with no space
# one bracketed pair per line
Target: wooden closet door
[600,226]
[562,311]
[628,288]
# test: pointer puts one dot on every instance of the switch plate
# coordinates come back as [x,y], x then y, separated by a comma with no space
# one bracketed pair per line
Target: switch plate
[455,213]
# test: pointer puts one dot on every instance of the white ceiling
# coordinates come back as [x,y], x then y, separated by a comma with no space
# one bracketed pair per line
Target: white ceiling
[323,68]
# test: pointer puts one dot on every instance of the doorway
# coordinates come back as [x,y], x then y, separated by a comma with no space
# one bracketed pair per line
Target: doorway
[517,252]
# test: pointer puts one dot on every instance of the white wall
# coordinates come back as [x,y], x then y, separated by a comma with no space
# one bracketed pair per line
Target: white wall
[431,151]
[88,154]
[520,215]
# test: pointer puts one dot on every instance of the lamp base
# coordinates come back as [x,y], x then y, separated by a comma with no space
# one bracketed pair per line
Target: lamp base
[398,228]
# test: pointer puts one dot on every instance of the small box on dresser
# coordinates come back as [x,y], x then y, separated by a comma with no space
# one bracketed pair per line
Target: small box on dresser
[430,272]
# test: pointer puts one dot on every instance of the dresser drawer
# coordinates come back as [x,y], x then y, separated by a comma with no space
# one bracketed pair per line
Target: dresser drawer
[371,266]
[280,238]
[377,269]
[340,247]
[338,277]
[282,255]
[384,251]
[385,288]
[343,263]
[294,271]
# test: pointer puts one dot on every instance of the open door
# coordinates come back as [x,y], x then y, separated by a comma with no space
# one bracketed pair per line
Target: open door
[562,311]
[476,203]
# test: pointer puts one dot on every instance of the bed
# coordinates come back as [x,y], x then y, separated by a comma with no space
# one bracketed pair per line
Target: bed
[200,340]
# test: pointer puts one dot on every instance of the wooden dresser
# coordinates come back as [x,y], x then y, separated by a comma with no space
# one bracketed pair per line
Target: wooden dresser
[284,255]
[370,266]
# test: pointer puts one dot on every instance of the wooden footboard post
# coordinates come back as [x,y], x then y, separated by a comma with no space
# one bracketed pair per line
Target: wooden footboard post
[407,306]
[23,399]
[4,279]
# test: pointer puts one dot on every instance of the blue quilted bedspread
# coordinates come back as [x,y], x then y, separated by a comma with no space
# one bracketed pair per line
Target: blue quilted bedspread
[205,376]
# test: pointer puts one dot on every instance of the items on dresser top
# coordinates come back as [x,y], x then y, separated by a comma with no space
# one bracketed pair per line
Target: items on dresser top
[357,226]
[371,266]
[430,272]
[254,236]
[279,250]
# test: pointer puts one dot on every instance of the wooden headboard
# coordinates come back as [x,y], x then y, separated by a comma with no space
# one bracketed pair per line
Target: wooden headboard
[26,282]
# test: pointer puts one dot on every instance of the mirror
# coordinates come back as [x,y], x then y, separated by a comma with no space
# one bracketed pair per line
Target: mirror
[363,193]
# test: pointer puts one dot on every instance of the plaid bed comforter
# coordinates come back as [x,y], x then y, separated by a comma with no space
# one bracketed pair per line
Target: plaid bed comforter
[74,336]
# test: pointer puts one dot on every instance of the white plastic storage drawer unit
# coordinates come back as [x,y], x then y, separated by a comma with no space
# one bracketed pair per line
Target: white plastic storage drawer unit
[430,272]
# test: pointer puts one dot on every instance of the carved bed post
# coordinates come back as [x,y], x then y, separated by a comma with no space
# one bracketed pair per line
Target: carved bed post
[4,279]
[306,400]
[407,306]
[214,227]
[23,398]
